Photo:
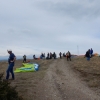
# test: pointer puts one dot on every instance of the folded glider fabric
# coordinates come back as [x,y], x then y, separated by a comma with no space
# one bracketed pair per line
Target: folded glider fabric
[28,68]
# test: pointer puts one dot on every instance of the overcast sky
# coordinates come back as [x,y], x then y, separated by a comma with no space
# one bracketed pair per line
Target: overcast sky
[35,26]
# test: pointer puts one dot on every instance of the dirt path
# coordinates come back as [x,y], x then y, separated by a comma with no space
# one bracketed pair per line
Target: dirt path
[61,83]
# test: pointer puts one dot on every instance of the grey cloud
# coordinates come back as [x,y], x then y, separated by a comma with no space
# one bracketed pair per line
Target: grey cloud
[77,10]
[54,25]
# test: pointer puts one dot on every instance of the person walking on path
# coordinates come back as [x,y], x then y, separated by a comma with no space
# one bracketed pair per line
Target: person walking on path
[11,62]
[68,54]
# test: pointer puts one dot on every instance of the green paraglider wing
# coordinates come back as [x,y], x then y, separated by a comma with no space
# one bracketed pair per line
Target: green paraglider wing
[27,68]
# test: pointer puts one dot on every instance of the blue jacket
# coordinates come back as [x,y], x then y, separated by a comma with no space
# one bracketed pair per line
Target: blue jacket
[11,57]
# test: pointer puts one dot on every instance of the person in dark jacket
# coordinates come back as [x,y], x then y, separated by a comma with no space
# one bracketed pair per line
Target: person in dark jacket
[87,55]
[91,52]
[34,57]
[54,55]
[24,59]
[50,55]
[60,54]
[68,55]
[11,62]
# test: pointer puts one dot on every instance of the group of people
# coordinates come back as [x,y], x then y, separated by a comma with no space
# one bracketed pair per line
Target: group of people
[89,54]
[68,55]
[54,55]
[42,56]
[51,55]
[12,59]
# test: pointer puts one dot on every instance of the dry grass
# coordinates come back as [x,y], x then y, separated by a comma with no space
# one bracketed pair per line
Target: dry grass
[90,70]
[27,82]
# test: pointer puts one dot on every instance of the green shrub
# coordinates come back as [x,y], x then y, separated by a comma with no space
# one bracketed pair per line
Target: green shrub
[7,92]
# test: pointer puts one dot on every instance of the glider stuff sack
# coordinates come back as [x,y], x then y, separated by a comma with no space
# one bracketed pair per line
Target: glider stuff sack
[27,67]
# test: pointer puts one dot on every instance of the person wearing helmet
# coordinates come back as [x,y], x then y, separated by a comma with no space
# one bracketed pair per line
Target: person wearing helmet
[11,62]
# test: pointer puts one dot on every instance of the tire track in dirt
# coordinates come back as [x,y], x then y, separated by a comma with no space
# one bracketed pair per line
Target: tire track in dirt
[61,83]
[47,89]
[72,85]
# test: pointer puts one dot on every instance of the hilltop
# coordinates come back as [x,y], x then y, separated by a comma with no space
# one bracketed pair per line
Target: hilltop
[59,79]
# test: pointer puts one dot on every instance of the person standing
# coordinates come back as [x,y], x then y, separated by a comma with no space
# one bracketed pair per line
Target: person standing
[60,54]
[50,55]
[11,62]
[68,54]
[54,55]
[24,58]
[87,55]
[34,56]
[91,52]
[44,55]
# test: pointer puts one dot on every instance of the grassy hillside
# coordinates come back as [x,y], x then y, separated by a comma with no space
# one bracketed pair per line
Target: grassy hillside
[90,70]
[28,82]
